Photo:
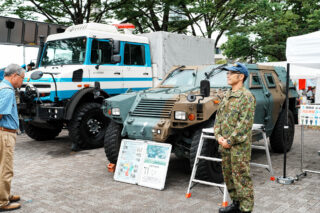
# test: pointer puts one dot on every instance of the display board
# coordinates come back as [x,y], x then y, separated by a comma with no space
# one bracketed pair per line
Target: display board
[309,115]
[143,162]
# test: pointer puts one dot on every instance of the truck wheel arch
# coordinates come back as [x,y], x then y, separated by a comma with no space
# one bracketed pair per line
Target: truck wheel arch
[82,95]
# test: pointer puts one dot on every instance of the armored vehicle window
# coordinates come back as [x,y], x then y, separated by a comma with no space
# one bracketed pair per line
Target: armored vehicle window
[67,51]
[101,52]
[134,54]
[269,79]
[255,81]
[180,78]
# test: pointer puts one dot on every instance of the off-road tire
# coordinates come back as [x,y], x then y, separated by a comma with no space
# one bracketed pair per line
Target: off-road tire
[207,170]
[277,136]
[41,134]
[80,126]
[112,141]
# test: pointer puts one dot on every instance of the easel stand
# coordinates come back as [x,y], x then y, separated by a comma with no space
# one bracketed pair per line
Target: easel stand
[304,171]
[208,134]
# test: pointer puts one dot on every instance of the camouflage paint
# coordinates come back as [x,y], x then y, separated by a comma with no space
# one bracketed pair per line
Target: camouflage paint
[138,125]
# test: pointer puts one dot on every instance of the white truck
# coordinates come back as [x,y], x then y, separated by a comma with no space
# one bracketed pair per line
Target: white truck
[78,69]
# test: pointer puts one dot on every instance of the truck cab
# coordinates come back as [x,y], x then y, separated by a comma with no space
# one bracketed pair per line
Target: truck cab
[75,71]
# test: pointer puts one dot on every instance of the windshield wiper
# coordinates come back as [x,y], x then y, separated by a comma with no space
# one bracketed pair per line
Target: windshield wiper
[178,68]
[208,75]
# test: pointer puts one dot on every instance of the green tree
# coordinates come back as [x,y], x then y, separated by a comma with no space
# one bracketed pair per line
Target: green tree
[267,33]
[61,11]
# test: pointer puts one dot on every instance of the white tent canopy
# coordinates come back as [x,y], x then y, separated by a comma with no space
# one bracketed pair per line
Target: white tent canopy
[303,54]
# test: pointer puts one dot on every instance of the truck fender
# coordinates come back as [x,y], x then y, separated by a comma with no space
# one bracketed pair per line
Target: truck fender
[76,98]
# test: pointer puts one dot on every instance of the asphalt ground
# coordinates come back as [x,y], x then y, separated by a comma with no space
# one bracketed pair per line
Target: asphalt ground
[50,178]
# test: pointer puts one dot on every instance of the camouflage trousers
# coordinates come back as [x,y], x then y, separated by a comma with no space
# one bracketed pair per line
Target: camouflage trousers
[236,173]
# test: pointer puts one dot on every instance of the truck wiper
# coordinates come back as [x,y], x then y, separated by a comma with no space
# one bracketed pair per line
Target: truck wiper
[178,68]
[208,75]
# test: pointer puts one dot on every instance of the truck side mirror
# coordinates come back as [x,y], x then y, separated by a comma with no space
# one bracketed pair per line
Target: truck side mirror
[205,88]
[116,47]
[115,59]
[36,75]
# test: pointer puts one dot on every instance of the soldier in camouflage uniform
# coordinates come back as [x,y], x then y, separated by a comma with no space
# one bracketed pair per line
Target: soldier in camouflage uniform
[232,129]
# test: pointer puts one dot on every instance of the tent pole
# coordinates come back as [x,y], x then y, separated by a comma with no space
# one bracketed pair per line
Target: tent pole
[285,179]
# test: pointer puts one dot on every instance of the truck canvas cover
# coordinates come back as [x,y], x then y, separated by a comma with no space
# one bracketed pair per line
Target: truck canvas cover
[170,49]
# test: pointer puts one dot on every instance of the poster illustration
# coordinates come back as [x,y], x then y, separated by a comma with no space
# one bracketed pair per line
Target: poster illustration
[143,162]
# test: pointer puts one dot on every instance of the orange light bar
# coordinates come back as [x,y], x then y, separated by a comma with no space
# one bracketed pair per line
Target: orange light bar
[86,85]
[191,117]
[124,26]
[109,111]
[216,101]
[79,85]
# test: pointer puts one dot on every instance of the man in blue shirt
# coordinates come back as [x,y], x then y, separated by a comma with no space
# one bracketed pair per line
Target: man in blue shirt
[9,123]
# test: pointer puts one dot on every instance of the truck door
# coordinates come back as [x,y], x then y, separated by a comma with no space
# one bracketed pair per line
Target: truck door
[276,96]
[137,73]
[258,89]
[109,75]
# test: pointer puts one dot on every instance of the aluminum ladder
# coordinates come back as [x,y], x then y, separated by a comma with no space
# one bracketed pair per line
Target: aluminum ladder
[207,133]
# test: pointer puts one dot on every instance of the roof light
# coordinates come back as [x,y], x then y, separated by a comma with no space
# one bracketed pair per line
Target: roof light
[124,26]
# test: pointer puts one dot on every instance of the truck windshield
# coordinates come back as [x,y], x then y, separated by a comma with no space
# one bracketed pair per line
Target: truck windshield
[180,78]
[219,80]
[63,52]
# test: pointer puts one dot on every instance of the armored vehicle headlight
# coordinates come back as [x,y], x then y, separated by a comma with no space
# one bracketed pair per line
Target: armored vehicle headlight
[115,111]
[180,115]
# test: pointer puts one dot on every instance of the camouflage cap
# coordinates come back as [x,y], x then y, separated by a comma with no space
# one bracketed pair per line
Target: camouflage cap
[238,67]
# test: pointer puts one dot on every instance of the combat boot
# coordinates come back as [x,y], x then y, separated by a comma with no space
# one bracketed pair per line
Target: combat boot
[233,208]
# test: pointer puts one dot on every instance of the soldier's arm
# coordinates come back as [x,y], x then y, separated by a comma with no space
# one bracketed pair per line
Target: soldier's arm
[245,122]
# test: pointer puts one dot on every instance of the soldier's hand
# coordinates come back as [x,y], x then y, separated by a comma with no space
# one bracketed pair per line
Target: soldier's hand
[220,140]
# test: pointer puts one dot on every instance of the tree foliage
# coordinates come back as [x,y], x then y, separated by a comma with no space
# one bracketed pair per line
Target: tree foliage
[267,34]
[65,12]
[257,29]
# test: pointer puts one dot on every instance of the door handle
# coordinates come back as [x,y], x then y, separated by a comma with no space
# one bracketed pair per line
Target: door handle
[116,73]
[145,73]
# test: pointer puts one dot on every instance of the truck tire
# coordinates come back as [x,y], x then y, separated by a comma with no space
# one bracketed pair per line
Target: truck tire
[112,141]
[277,136]
[87,126]
[40,134]
[207,170]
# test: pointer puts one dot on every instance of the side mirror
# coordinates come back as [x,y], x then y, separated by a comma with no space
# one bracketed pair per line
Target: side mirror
[36,75]
[205,88]
[191,98]
[116,47]
[115,59]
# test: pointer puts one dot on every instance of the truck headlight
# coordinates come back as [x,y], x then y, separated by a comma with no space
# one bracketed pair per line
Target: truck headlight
[115,111]
[180,115]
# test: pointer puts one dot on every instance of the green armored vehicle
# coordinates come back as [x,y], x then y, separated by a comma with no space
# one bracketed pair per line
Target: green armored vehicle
[176,111]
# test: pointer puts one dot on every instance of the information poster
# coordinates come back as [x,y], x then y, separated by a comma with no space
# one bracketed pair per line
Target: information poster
[129,160]
[309,115]
[155,165]
[143,162]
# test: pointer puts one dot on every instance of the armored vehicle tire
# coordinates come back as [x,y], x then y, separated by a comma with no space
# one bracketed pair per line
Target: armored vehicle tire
[88,125]
[112,141]
[40,134]
[207,170]
[277,136]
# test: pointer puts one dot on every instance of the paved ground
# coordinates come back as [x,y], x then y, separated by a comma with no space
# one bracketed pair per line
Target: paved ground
[51,179]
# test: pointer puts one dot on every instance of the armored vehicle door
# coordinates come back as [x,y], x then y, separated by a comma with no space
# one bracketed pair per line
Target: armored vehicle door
[137,73]
[275,94]
[101,69]
[263,102]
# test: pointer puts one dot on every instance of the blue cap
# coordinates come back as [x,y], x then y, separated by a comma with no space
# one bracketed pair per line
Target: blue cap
[238,67]
[23,66]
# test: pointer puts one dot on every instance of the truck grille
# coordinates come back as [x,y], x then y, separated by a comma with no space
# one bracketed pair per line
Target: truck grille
[38,85]
[154,108]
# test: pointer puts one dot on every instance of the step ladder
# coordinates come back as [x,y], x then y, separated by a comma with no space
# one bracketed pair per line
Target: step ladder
[208,133]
